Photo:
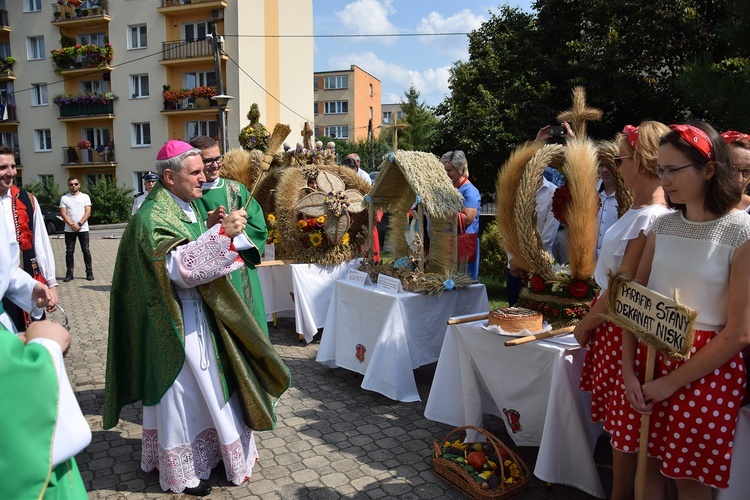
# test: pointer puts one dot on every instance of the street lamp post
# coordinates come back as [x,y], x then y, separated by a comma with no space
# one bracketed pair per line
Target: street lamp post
[222,101]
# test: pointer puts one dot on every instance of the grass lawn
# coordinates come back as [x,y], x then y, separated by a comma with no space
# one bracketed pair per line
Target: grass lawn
[495,291]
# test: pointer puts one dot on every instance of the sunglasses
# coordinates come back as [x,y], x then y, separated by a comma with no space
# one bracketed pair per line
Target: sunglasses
[618,160]
[72,184]
[218,160]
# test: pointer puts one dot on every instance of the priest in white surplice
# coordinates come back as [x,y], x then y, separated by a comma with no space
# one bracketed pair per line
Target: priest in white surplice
[182,340]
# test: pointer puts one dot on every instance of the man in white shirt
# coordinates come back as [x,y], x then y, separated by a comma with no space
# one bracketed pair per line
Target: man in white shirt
[29,244]
[608,208]
[360,173]
[75,210]
[149,180]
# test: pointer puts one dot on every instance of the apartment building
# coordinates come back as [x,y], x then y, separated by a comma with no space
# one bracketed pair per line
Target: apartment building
[96,87]
[346,102]
[391,112]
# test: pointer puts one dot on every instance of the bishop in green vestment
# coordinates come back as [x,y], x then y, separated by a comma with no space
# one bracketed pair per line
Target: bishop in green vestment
[228,195]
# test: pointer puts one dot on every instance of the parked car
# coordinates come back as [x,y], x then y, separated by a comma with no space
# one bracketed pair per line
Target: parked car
[52,219]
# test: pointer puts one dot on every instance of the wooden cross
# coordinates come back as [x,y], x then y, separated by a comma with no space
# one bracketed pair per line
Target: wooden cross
[307,136]
[394,131]
[579,113]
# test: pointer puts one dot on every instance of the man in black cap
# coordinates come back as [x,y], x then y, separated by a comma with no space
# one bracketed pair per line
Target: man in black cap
[148,182]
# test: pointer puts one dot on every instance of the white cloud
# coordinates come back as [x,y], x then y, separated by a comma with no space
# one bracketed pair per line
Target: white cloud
[368,17]
[460,22]
[396,79]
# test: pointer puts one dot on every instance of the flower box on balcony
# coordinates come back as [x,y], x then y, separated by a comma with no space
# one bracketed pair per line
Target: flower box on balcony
[85,104]
[81,56]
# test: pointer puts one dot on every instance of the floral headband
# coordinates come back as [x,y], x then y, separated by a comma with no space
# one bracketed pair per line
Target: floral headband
[733,136]
[696,138]
[632,133]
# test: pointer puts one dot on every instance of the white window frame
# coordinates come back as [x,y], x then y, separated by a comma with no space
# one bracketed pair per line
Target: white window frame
[387,116]
[97,136]
[42,140]
[138,132]
[9,140]
[193,79]
[201,127]
[35,48]
[337,131]
[199,30]
[32,5]
[137,37]
[336,82]
[336,107]
[39,96]
[139,86]
[97,39]
[94,86]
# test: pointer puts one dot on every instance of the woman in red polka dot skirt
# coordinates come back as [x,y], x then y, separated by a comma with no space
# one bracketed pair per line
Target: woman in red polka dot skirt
[621,249]
[702,250]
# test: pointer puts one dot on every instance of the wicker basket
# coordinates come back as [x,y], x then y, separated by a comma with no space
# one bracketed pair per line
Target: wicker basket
[455,475]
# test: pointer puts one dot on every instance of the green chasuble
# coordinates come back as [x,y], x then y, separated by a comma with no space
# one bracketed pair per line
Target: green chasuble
[146,332]
[29,396]
[232,196]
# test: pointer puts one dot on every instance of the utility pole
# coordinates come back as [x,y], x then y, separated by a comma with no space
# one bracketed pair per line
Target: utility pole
[221,99]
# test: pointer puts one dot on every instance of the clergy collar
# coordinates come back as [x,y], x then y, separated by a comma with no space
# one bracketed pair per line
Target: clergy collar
[186,206]
[219,182]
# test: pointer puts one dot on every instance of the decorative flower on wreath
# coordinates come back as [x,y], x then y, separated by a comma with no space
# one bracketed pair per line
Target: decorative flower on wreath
[537,284]
[273,229]
[333,201]
[579,289]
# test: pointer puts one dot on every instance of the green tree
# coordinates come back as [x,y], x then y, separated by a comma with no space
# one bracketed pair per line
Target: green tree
[370,152]
[110,203]
[421,121]
[47,191]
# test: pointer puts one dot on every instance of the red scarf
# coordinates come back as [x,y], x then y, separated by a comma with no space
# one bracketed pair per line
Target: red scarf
[24,235]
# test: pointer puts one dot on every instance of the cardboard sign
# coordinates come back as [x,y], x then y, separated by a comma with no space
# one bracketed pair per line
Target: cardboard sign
[359,278]
[389,284]
[657,321]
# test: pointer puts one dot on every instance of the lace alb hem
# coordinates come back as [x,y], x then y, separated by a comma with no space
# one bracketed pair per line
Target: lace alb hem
[210,256]
[184,466]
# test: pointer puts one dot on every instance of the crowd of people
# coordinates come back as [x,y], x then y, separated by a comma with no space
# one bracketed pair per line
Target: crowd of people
[188,334]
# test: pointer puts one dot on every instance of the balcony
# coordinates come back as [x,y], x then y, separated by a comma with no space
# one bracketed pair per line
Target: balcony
[4,23]
[73,155]
[89,13]
[190,6]
[82,106]
[6,68]
[186,52]
[82,58]
[11,117]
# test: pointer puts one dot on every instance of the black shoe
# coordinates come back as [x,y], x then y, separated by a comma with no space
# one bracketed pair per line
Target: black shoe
[90,277]
[69,277]
[201,490]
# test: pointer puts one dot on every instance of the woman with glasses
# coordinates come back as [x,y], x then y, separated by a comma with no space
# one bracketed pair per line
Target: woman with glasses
[622,247]
[739,147]
[457,170]
[702,250]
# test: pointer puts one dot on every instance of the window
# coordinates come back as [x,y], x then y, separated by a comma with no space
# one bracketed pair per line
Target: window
[98,39]
[387,116]
[4,49]
[315,107]
[196,128]
[46,178]
[138,86]
[32,5]
[336,107]
[42,140]
[336,82]
[97,136]
[7,94]
[39,94]
[371,91]
[137,38]
[9,140]
[94,86]
[197,31]
[339,132]
[35,48]
[370,112]
[315,83]
[140,135]
[199,79]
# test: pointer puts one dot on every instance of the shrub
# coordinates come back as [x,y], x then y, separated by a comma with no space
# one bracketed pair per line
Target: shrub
[110,203]
[492,258]
[47,191]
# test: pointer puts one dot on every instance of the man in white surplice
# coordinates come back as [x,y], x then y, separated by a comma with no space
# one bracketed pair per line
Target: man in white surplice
[182,340]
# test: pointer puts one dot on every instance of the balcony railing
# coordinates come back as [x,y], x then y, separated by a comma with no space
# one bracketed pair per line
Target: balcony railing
[175,3]
[4,23]
[185,49]
[11,110]
[75,155]
[92,8]
[81,56]
[70,110]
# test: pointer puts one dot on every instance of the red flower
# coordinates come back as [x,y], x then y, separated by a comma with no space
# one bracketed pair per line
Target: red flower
[537,284]
[560,201]
[579,289]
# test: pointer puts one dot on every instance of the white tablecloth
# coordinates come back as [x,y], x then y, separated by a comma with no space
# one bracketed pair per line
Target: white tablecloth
[533,388]
[393,333]
[305,289]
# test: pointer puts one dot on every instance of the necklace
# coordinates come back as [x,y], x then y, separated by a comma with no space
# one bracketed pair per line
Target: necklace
[464,181]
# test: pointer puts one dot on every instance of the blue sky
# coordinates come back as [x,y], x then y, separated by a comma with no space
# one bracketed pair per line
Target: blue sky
[399,61]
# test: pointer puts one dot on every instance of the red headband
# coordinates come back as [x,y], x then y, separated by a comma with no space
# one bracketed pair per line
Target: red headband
[632,133]
[696,138]
[733,136]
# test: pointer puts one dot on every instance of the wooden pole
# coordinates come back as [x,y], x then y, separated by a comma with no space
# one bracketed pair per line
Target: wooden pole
[540,336]
[640,476]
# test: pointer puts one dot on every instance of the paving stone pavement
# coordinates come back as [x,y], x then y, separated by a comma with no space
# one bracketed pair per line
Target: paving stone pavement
[333,439]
